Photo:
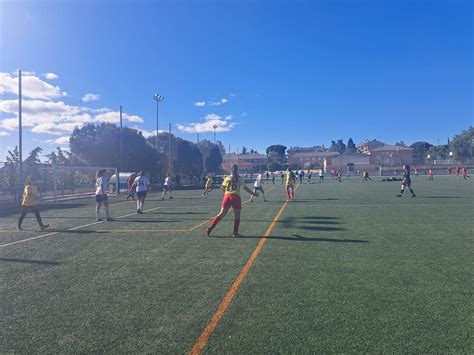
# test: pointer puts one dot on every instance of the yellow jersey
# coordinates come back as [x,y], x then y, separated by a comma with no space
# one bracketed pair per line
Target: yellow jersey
[30,196]
[209,182]
[289,178]
[232,189]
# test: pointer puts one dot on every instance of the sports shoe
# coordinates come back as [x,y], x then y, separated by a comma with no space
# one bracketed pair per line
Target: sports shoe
[44,226]
[207,232]
[236,235]
[413,195]
[98,220]
[171,197]
[110,219]
[19,228]
[399,195]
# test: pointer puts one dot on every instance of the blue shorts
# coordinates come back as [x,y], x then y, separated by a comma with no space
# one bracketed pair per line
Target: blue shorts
[141,194]
[101,198]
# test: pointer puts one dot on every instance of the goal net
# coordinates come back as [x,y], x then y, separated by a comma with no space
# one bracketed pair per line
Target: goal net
[59,183]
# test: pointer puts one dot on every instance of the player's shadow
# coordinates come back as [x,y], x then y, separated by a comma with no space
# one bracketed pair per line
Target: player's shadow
[173,213]
[26,261]
[122,220]
[444,197]
[295,238]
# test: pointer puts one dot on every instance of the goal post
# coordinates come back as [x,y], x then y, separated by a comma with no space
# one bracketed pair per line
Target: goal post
[59,182]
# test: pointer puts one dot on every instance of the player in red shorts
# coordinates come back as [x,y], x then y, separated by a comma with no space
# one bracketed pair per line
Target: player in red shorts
[231,188]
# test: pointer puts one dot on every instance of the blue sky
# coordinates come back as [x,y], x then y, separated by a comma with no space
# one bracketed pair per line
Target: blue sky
[297,73]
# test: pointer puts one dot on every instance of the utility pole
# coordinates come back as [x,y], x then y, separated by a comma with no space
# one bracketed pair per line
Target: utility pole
[169,150]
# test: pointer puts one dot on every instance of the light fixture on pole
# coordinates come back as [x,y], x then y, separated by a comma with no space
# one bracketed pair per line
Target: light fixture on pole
[215,126]
[158,98]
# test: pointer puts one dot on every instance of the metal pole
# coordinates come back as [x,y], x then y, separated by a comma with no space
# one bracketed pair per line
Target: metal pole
[157,102]
[169,150]
[20,138]
[121,154]
[121,140]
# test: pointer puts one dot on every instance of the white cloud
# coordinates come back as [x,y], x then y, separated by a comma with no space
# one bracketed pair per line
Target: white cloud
[61,140]
[50,76]
[32,87]
[218,102]
[212,117]
[90,97]
[46,115]
[4,134]
[211,103]
[211,120]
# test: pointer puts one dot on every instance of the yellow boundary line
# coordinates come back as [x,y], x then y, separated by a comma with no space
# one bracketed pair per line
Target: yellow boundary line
[222,308]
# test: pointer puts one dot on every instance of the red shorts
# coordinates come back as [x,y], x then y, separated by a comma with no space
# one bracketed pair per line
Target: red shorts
[233,201]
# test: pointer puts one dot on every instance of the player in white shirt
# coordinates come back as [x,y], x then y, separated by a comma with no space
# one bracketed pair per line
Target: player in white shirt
[167,187]
[101,194]
[257,186]
[142,185]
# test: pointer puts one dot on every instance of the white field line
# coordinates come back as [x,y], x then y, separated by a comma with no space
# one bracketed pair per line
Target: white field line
[72,229]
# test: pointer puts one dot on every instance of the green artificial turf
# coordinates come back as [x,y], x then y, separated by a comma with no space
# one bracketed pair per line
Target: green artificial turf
[349,267]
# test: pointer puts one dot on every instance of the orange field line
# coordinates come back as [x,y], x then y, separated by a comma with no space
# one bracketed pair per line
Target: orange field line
[206,333]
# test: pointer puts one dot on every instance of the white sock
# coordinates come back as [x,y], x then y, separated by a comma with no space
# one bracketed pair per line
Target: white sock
[107,212]
[138,205]
[97,212]
[141,205]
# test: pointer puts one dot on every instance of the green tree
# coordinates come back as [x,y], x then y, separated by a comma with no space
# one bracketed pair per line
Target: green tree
[462,145]
[276,153]
[338,146]
[420,150]
[188,159]
[351,147]
[211,155]
[99,145]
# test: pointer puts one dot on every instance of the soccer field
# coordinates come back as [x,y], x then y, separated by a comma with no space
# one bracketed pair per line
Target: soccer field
[347,267]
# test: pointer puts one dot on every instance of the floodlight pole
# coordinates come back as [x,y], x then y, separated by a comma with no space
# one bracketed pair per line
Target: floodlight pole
[215,126]
[20,139]
[121,152]
[158,98]
[169,150]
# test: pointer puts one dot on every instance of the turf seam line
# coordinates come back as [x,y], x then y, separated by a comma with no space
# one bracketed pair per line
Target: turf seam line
[222,308]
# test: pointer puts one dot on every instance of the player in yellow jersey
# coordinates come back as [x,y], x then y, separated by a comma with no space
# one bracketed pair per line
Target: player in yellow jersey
[290,184]
[208,185]
[231,187]
[30,203]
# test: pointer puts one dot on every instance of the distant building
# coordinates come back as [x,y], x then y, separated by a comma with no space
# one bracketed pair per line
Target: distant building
[316,148]
[391,155]
[310,159]
[351,162]
[249,162]
[367,146]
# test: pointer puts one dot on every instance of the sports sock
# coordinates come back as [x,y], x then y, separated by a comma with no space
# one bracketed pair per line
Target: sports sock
[97,212]
[138,205]
[236,225]
[412,192]
[214,222]
[107,212]
[141,205]
[401,192]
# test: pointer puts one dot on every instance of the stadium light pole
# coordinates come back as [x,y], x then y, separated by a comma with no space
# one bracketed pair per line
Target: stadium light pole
[20,138]
[121,140]
[169,150]
[215,126]
[158,98]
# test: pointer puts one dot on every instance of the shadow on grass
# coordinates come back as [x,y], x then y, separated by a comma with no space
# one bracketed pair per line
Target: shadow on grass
[123,220]
[444,197]
[41,262]
[295,238]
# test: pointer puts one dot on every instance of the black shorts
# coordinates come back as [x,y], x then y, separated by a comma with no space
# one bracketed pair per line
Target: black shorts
[101,198]
[166,188]
[406,182]
[258,189]
[141,194]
